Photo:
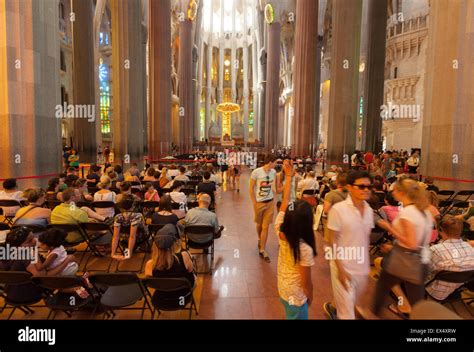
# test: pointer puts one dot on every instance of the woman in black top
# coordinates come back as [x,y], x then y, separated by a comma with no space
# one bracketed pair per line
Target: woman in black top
[166,262]
[165,214]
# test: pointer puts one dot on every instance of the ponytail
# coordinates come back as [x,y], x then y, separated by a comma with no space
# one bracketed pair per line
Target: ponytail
[414,192]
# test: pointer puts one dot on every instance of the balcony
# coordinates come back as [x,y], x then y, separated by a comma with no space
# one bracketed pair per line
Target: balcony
[405,38]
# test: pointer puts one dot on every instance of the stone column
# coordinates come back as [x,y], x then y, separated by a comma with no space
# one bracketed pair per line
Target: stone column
[307,77]
[245,59]
[200,45]
[30,137]
[343,101]
[255,88]
[128,52]
[159,119]
[83,79]
[273,85]
[208,84]
[220,91]
[448,134]
[376,38]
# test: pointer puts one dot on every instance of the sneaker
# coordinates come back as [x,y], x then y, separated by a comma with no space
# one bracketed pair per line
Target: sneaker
[264,256]
[330,311]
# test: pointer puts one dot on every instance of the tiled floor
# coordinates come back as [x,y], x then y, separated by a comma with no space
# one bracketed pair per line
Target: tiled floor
[243,286]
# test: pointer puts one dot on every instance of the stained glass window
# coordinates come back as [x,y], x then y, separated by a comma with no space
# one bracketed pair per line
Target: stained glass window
[104,87]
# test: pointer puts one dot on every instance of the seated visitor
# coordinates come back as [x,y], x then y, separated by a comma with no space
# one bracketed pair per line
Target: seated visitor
[128,218]
[105,195]
[172,172]
[165,213]
[10,192]
[180,198]
[151,194]
[452,254]
[93,178]
[33,213]
[182,177]
[201,216]
[309,182]
[164,178]
[125,190]
[391,208]
[206,186]
[52,189]
[81,186]
[168,261]
[150,175]
[28,292]
[52,241]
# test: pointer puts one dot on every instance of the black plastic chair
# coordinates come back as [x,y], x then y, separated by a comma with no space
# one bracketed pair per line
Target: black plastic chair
[188,191]
[141,239]
[202,237]
[119,291]
[52,203]
[466,194]
[173,288]
[102,205]
[13,278]
[33,228]
[448,194]
[93,190]
[148,208]
[459,207]
[458,277]
[192,183]
[59,301]
[8,219]
[94,231]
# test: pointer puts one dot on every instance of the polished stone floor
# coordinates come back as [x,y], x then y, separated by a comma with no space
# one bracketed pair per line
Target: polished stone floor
[243,286]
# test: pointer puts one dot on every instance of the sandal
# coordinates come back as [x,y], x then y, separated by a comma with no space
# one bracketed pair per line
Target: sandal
[394,309]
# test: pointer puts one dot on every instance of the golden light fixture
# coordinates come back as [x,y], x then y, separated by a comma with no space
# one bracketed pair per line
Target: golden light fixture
[228,108]
[192,10]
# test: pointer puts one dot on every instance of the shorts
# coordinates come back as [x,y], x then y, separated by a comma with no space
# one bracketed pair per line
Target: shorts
[264,213]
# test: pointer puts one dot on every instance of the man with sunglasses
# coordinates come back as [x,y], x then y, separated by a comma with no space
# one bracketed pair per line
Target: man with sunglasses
[350,223]
[261,194]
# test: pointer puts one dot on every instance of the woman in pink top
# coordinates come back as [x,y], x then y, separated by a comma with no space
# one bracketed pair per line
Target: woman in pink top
[391,208]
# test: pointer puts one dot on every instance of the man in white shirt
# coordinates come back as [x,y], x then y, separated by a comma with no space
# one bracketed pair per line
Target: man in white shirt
[308,183]
[261,193]
[350,223]
[180,198]
[10,192]
[182,176]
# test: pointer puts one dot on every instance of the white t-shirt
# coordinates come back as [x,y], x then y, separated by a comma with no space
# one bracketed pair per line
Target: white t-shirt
[172,173]
[180,198]
[308,183]
[105,197]
[61,256]
[264,182]
[423,227]
[413,161]
[352,241]
[289,279]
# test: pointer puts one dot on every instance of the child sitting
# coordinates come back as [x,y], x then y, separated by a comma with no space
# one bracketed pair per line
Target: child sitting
[52,241]
[151,194]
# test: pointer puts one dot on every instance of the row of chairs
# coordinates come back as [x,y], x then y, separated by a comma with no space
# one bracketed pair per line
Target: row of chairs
[91,232]
[109,292]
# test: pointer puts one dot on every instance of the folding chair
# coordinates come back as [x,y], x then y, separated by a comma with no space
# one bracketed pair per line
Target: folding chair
[458,277]
[139,241]
[52,203]
[444,206]
[192,184]
[188,191]
[154,228]
[33,228]
[179,206]
[16,278]
[178,292]
[466,194]
[92,190]
[194,204]
[8,219]
[119,291]
[447,194]
[202,237]
[57,300]
[148,208]
[95,231]
[71,244]
[458,208]
[103,205]
[195,178]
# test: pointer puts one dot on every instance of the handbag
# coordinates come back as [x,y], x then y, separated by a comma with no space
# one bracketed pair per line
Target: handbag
[406,264]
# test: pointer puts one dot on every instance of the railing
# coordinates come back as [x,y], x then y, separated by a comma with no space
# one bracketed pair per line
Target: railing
[407,26]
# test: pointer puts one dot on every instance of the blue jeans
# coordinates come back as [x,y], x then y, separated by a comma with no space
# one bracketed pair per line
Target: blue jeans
[293,312]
